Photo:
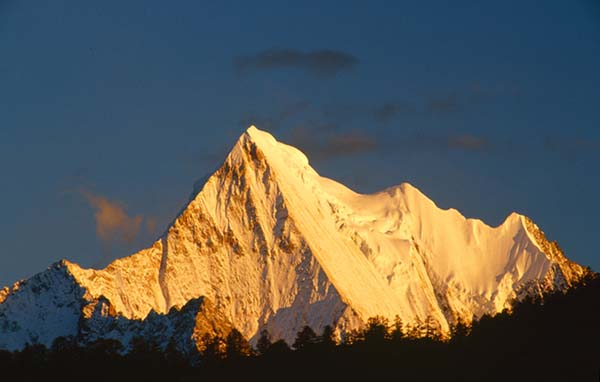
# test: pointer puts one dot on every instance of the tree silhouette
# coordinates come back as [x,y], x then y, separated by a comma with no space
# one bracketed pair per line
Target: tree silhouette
[459,330]
[397,333]
[63,344]
[144,352]
[6,358]
[213,348]
[376,330]
[305,338]
[264,342]
[278,348]
[432,328]
[554,339]
[173,356]
[237,345]
[327,338]
[33,355]
[110,348]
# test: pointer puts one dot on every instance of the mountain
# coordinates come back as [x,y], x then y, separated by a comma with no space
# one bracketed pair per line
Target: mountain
[267,243]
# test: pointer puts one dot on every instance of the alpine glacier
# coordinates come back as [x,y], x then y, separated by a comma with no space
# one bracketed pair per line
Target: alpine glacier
[267,243]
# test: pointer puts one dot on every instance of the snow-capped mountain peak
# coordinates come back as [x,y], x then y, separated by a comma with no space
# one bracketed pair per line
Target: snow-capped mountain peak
[270,244]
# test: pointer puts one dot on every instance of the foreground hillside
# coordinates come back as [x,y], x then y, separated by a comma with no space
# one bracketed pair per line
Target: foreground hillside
[554,339]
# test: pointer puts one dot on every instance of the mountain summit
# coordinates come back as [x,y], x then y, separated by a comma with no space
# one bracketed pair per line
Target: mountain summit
[267,243]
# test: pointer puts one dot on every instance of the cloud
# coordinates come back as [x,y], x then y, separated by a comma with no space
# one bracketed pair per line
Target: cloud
[468,142]
[569,143]
[353,142]
[473,95]
[445,142]
[320,63]
[325,141]
[388,111]
[571,147]
[113,224]
[446,104]
[383,112]
[321,141]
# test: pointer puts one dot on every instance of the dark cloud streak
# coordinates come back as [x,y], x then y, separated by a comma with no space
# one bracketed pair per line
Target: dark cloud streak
[388,111]
[326,141]
[447,104]
[468,142]
[320,63]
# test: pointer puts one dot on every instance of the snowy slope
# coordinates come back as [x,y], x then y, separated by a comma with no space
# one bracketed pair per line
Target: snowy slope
[36,310]
[274,245]
[182,327]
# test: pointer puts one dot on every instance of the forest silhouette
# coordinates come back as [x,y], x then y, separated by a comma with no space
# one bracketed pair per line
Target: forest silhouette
[555,337]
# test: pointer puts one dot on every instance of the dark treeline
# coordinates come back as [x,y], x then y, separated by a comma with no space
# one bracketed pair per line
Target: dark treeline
[556,338]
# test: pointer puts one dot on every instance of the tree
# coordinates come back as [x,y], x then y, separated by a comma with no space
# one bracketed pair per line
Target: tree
[264,342]
[63,344]
[213,347]
[106,347]
[460,330]
[397,333]
[237,345]
[64,350]
[173,356]
[305,338]
[416,330]
[432,329]
[279,347]
[144,351]
[327,338]
[6,359]
[352,337]
[33,355]
[377,329]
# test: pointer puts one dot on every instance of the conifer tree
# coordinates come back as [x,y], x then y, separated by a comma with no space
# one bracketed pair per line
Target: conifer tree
[397,329]
[237,345]
[327,338]
[305,338]
[264,342]
[377,329]
[213,348]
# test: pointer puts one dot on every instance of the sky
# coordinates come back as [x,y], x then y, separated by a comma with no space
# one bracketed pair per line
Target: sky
[111,111]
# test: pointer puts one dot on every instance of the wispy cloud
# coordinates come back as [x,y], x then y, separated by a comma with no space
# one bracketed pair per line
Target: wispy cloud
[571,147]
[444,143]
[383,112]
[468,142]
[389,110]
[446,104]
[113,223]
[469,97]
[352,142]
[320,63]
[326,141]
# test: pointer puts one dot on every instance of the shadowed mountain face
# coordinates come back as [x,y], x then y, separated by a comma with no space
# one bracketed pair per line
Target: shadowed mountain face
[267,243]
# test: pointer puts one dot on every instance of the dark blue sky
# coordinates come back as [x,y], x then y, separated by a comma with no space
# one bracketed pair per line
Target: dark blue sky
[110,111]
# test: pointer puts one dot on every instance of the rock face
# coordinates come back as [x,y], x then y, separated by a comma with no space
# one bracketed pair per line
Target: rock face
[267,243]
